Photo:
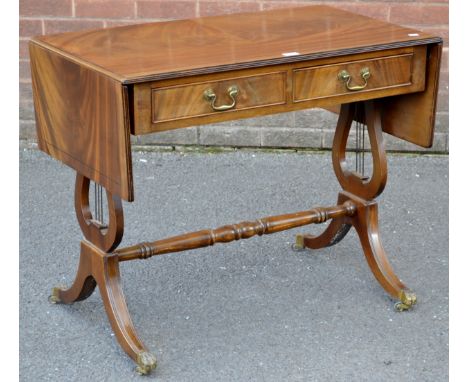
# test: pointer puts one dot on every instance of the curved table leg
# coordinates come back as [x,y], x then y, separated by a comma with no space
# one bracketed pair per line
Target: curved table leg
[82,287]
[107,274]
[365,221]
[333,234]
[99,266]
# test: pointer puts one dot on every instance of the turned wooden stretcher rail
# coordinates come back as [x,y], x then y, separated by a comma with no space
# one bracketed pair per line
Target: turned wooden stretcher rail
[228,233]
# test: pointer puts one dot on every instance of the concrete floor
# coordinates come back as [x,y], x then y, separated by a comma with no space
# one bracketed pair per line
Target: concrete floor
[252,310]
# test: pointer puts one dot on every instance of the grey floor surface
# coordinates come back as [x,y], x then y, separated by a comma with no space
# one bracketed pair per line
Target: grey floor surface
[251,310]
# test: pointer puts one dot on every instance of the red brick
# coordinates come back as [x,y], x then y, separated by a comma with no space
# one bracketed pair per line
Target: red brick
[283,4]
[45,8]
[121,23]
[419,14]
[166,9]
[59,26]
[391,1]
[211,8]
[444,67]
[28,28]
[388,2]
[23,49]
[379,11]
[105,8]
[24,71]
[437,31]
[314,2]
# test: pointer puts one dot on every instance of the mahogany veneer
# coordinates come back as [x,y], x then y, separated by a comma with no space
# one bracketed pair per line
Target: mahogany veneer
[92,89]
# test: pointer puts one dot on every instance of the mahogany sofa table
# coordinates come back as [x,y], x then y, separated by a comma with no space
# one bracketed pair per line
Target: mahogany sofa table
[93,89]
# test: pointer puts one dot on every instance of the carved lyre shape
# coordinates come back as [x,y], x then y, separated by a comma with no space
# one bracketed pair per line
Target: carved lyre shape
[367,188]
[106,239]
[360,191]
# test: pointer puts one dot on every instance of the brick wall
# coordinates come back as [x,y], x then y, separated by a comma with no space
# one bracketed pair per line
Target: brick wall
[309,128]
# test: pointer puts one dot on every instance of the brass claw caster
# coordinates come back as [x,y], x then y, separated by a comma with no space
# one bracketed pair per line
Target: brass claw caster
[298,246]
[54,297]
[146,362]
[407,301]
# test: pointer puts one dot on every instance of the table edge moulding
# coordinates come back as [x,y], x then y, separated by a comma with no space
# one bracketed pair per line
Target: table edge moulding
[94,89]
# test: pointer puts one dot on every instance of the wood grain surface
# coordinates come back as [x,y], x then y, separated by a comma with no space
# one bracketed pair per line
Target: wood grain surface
[179,102]
[386,72]
[92,88]
[82,120]
[186,100]
[145,52]
[412,116]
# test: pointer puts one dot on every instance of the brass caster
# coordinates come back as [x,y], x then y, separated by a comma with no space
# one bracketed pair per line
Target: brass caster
[54,297]
[299,244]
[146,362]
[407,301]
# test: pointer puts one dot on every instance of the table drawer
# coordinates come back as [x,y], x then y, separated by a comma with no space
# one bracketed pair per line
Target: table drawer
[221,96]
[360,76]
[217,97]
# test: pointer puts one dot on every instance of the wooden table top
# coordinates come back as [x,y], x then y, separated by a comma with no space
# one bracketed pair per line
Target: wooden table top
[152,51]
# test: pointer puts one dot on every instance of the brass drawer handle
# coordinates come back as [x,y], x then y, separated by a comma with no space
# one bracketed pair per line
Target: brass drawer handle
[346,77]
[210,96]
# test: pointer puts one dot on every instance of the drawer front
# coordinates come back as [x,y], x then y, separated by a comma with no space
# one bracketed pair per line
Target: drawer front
[359,76]
[181,102]
[190,100]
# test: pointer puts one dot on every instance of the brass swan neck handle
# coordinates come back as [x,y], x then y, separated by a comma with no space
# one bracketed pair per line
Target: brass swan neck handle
[346,78]
[210,96]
